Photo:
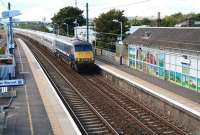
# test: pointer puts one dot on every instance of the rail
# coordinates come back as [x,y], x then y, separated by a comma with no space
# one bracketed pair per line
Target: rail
[80,125]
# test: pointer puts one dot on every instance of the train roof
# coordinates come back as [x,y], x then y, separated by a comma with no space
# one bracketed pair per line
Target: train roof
[78,42]
[68,40]
[71,41]
[166,37]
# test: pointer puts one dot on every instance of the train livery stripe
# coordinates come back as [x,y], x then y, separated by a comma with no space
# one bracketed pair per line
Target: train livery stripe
[84,54]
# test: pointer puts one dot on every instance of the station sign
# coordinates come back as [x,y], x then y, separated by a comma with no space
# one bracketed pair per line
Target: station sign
[5,14]
[185,61]
[15,82]
[12,46]
[11,13]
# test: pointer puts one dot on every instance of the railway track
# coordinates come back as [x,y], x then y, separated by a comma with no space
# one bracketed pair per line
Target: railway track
[155,122]
[118,113]
[87,118]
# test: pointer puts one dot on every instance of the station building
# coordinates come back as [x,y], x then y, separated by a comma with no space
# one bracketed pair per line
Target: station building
[81,33]
[171,54]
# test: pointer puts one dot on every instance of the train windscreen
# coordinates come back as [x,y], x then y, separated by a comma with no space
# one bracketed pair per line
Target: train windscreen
[83,48]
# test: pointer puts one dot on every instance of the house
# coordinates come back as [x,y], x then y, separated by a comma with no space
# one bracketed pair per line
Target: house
[81,33]
[171,54]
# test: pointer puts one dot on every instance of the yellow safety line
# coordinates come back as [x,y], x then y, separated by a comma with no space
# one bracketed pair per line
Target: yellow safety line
[29,112]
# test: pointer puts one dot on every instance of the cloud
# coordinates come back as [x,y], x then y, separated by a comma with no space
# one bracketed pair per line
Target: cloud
[37,9]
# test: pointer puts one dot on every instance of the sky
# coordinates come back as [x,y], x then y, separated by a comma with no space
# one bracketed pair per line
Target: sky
[36,10]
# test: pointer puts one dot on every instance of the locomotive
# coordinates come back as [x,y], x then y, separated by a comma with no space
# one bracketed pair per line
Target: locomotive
[75,51]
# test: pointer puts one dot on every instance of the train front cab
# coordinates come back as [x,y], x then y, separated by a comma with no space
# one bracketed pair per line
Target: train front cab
[84,57]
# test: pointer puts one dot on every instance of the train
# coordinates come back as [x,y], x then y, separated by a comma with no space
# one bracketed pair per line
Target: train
[78,53]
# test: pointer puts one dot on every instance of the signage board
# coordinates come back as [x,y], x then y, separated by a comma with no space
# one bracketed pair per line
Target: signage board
[185,61]
[5,14]
[11,13]
[12,46]
[7,83]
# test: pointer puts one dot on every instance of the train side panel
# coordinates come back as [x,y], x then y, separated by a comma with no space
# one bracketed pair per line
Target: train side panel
[65,50]
[49,42]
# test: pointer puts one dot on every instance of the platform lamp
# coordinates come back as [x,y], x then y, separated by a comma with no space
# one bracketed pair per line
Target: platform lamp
[117,21]
[77,25]
[67,28]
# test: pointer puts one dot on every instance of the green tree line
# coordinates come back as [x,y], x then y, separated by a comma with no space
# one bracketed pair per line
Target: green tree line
[167,21]
[33,26]
[107,30]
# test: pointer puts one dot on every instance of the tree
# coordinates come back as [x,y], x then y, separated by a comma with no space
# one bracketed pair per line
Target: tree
[108,31]
[138,22]
[172,20]
[135,22]
[34,26]
[195,17]
[68,16]
[145,21]
[168,21]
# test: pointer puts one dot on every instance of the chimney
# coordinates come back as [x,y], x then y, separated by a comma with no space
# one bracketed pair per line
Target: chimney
[158,20]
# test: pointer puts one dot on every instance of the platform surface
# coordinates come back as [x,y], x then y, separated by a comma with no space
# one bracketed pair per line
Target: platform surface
[26,115]
[37,110]
[179,101]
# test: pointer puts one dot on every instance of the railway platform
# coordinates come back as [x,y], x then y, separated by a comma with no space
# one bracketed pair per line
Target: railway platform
[185,100]
[37,109]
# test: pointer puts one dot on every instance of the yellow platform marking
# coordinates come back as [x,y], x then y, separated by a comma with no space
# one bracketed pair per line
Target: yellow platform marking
[29,111]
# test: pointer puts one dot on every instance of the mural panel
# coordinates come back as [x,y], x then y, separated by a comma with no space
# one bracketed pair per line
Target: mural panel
[198,84]
[177,68]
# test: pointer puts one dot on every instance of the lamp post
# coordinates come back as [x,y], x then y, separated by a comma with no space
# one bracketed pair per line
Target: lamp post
[117,21]
[56,29]
[77,24]
[75,3]
[67,28]
[95,45]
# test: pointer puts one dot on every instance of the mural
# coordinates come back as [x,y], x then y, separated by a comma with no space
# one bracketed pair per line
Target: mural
[2,50]
[149,61]
[179,69]
[161,65]
[132,54]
